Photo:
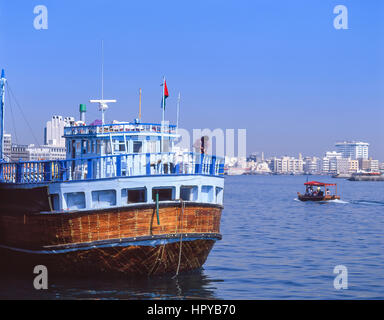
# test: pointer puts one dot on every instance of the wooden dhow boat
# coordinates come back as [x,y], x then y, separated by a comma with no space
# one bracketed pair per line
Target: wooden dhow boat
[124,201]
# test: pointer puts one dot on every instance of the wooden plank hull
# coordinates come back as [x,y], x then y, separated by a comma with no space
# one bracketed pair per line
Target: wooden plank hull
[130,260]
[125,240]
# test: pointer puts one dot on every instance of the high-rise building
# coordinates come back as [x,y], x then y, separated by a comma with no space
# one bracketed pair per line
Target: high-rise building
[353,149]
[54,130]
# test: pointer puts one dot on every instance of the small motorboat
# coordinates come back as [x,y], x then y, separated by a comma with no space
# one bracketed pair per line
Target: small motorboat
[318,191]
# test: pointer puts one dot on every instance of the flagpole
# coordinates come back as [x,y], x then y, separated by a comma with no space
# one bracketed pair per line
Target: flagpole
[163,117]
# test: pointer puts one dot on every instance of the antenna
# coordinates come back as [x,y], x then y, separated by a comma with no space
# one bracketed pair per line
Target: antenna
[102,107]
[140,104]
[102,69]
[102,103]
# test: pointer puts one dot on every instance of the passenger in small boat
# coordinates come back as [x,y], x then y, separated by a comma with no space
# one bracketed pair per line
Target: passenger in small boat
[327,192]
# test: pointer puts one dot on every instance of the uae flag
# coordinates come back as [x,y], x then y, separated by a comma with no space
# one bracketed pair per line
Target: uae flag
[165,94]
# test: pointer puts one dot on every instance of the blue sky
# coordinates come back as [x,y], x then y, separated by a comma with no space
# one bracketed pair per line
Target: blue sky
[277,68]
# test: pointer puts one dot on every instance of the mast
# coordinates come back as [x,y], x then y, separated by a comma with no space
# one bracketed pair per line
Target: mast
[102,102]
[2,94]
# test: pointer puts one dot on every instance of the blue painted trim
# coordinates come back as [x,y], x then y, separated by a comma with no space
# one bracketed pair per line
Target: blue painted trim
[147,243]
[148,164]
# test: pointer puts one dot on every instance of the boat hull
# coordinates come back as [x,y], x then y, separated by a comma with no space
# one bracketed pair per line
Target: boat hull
[132,259]
[123,240]
[302,197]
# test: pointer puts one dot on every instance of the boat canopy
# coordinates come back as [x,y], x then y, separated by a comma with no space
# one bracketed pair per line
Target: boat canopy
[319,184]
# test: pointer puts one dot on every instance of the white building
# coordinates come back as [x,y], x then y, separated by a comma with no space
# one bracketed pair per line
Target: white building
[34,153]
[286,165]
[19,153]
[54,130]
[353,149]
[369,165]
[329,163]
[7,146]
[312,165]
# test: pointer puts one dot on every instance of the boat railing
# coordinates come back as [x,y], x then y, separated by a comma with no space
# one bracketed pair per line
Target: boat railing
[119,128]
[110,166]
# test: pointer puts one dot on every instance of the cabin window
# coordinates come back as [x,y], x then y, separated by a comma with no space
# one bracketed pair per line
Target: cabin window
[219,195]
[206,194]
[137,146]
[121,146]
[98,148]
[103,198]
[55,202]
[75,200]
[137,195]
[188,193]
[165,194]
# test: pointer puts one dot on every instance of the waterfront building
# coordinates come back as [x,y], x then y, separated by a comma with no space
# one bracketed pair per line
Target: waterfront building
[342,165]
[7,146]
[353,149]
[312,165]
[353,165]
[54,130]
[33,153]
[287,165]
[19,152]
[262,168]
[369,165]
[329,162]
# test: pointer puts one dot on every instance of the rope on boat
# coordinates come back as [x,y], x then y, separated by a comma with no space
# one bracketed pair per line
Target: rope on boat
[157,208]
[181,238]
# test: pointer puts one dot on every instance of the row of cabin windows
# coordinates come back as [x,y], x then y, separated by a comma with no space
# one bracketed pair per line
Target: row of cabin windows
[93,146]
[107,198]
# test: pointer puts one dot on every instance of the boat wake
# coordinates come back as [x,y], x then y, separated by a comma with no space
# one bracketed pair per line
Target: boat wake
[338,201]
[368,202]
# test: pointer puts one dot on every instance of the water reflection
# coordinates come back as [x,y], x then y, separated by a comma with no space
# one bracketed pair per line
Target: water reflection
[191,285]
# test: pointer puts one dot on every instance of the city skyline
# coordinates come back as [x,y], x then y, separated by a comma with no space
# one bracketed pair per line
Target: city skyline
[281,71]
[49,132]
